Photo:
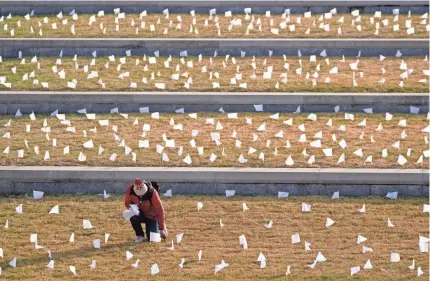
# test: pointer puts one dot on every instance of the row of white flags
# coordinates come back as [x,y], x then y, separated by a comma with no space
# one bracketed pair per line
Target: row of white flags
[330,23]
[296,239]
[331,138]
[183,72]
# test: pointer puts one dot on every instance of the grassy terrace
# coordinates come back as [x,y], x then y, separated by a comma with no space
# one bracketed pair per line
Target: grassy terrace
[263,27]
[129,135]
[202,232]
[141,74]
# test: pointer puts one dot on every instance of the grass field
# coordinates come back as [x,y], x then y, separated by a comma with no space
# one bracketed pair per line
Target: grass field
[131,135]
[202,232]
[371,75]
[127,27]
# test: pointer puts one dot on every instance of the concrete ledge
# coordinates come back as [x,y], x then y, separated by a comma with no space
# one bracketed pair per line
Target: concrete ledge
[210,3]
[246,181]
[218,175]
[10,47]
[10,109]
[51,188]
[75,97]
[278,7]
[100,102]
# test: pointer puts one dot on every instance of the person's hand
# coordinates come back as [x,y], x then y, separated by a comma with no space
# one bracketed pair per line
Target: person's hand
[163,233]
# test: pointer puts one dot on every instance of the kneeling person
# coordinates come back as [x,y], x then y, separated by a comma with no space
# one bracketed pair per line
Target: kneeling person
[151,211]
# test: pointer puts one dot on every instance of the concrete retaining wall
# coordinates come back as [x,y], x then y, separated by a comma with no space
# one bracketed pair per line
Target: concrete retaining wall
[34,97]
[98,102]
[10,47]
[246,181]
[258,7]
[10,109]
[51,188]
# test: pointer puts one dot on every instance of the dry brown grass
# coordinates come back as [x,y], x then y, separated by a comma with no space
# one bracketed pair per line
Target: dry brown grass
[148,157]
[83,29]
[341,82]
[202,231]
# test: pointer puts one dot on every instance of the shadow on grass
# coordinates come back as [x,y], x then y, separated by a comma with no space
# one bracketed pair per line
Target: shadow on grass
[82,252]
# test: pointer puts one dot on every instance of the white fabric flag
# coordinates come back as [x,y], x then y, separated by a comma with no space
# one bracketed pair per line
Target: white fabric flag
[72,238]
[179,238]
[355,270]
[155,237]
[37,194]
[55,210]
[230,193]
[19,209]
[73,269]
[89,144]
[282,194]
[329,222]
[306,207]
[96,243]
[87,224]
[12,263]
[361,239]
[128,255]
[50,265]
[392,195]
[395,257]
[168,193]
[335,195]
[295,238]
[199,206]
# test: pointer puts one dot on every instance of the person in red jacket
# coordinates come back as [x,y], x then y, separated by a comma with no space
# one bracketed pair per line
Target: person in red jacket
[151,211]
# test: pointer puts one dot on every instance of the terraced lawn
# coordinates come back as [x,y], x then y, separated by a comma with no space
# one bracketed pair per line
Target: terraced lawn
[219,74]
[215,140]
[219,26]
[337,243]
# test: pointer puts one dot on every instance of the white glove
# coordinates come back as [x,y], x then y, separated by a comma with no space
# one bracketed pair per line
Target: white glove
[163,233]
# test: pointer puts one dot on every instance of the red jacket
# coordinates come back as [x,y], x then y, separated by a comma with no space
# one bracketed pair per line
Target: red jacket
[154,211]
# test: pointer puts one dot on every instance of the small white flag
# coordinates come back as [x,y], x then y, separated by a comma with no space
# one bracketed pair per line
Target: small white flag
[87,224]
